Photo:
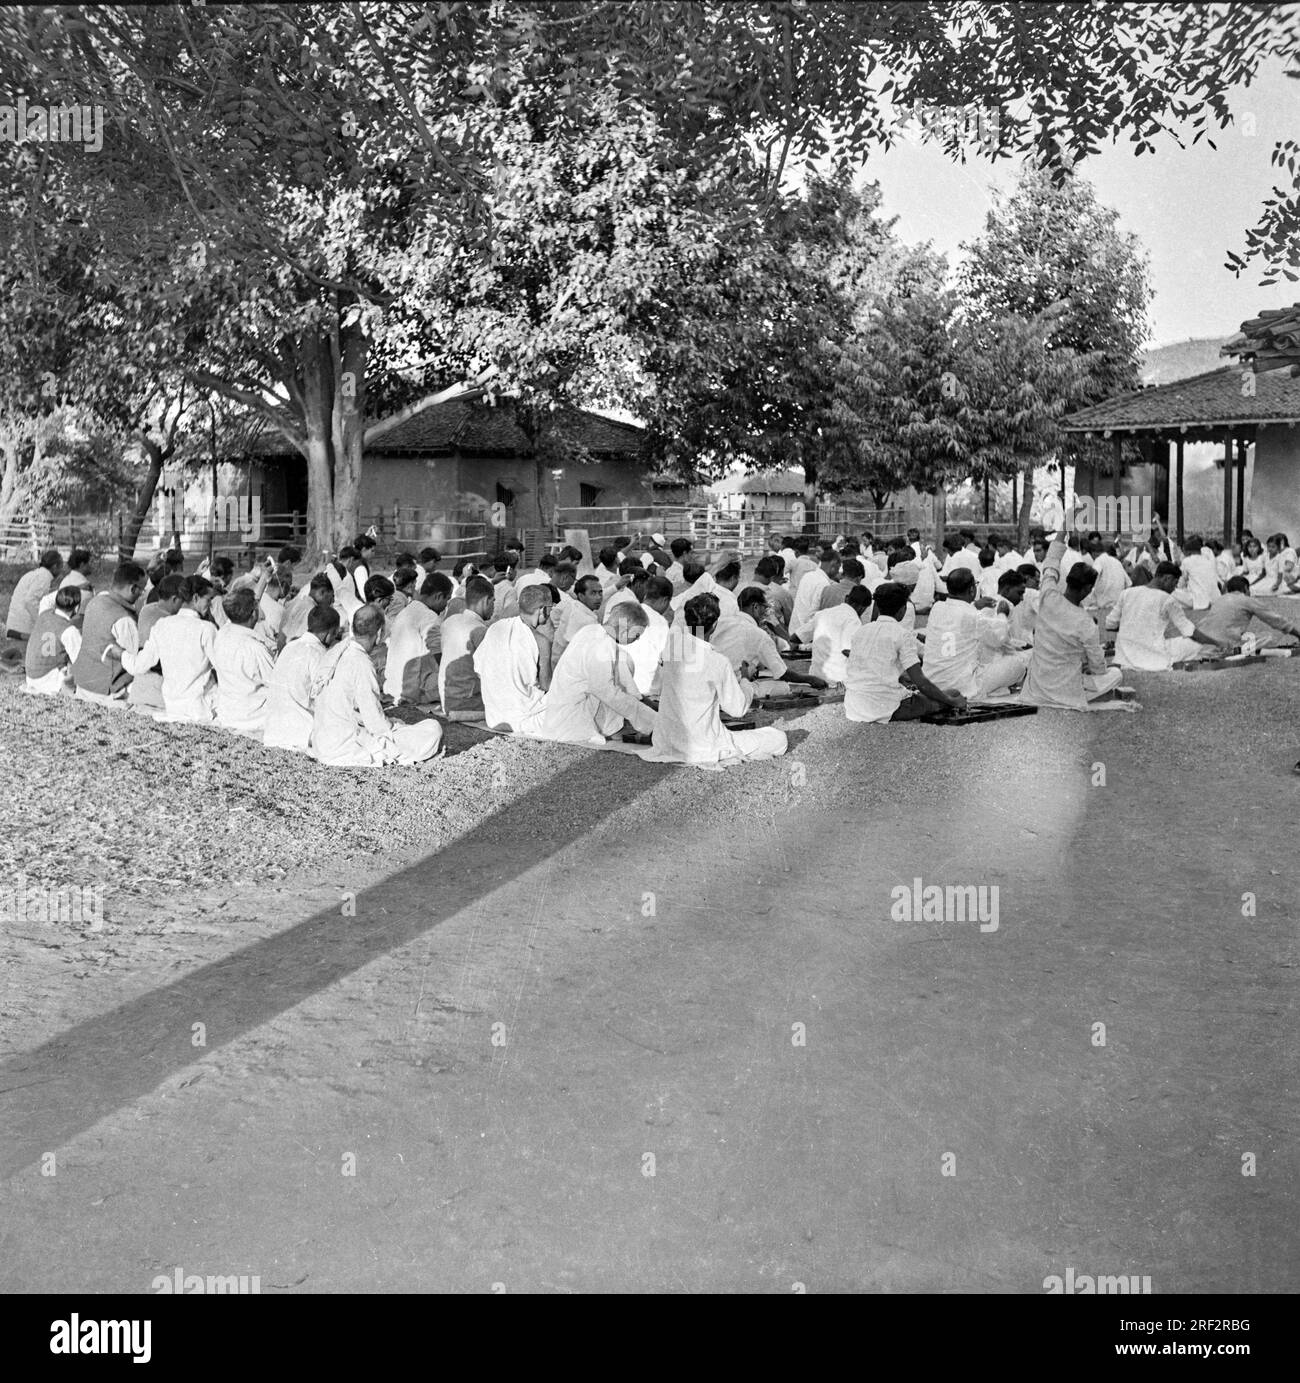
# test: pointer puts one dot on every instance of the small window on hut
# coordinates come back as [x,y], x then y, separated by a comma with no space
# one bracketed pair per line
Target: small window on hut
[588,495]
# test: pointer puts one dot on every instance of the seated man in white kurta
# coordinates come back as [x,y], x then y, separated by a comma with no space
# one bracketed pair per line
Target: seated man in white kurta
[349,727]
[243,663]
[593,690]
[288,691]
[697,685]
[508,662]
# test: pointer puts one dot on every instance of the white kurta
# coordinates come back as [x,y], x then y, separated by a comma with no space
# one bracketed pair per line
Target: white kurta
[243,665]
[592,693]
[183,644]
[833,632]
[458,689]
[349,727]
[568,617]
[646,652]
[410,670]
[807,600]
[25,603]
[288,694]
[698,685]
[507,666]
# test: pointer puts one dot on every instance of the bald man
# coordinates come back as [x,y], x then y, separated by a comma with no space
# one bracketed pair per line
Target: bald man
[349,727]
[508,661]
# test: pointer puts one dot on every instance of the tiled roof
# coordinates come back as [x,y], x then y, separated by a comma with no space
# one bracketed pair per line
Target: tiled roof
[1209,400]
[1272,339]
[481,429]
[491,430]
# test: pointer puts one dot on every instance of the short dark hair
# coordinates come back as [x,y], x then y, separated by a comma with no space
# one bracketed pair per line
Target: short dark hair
[1009,579]
[1027,570]
[321,619]
[859,599]
[727,572]
[692,571]
[239,605]
[961,581]
[172,586]
[321,582]
[853,569]
[1081,577]
[430,554]
[607,557]
[1237,585]
[548,561]
[404,577]
[702,611]
[1167,569]
[125,573]
[367,620]
[658,588]
[199,586]
[223,567]
[585,583]
[770,568]
[679,546]
[348,551]
[629,566]
[751,595]
[565,569]
[439,583]
[378,588]
[51,559]
[476,588]
[890,597]
[173,557]
[363,543]
[291,555]
[79,557]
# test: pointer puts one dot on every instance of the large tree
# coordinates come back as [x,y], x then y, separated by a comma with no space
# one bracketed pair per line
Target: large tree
[287,196]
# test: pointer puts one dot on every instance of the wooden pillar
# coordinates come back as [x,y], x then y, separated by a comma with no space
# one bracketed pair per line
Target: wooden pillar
[986,499]
[1241,486]
[1178,493]
[1015,501]
[1227,489]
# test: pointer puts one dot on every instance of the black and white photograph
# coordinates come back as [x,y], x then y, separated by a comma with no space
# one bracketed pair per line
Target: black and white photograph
[872,427]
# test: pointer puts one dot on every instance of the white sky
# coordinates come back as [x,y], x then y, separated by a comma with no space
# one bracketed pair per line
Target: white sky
[1187,206]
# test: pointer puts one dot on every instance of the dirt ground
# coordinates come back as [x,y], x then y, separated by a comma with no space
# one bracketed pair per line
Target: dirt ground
[557,1048]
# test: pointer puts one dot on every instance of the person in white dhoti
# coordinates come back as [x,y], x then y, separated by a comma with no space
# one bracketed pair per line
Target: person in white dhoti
[751,650]
[349,727]
[697,686]
[243,663]
[507,662]
[415,644]
[593,692]
[289,688]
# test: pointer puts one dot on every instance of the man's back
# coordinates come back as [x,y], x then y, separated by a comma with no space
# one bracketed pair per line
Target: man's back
[288,693]
[952,640]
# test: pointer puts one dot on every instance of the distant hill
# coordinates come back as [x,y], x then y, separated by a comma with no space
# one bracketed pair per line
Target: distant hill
[1183,359]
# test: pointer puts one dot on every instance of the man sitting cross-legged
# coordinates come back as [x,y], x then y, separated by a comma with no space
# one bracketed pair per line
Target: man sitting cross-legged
[349,727]
[968,651]
[243,662]
[1143,617]
[145,694]
[880,653]
[752,651]
[289,689]
[507,662]
[181,644]
[645,652]
[53,645]
[458,684]
[593,692]
[108,627]
[415,644]
[833,631]
[1229,617]
[697,686]
[1067,668]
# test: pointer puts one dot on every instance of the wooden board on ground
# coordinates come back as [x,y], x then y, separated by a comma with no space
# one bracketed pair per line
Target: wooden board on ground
[1219,664]
[971,715]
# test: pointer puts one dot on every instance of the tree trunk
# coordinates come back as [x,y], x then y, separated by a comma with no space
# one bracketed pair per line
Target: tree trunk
[131,535]
[1026,503]
[940,516]
[347,416]
[318,401]
[810,497]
